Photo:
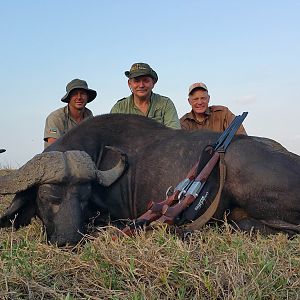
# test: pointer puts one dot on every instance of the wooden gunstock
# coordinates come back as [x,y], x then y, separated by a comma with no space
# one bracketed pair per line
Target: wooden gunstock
[150,215]
[169,213]
[155,208]
[203,175]
[130,229]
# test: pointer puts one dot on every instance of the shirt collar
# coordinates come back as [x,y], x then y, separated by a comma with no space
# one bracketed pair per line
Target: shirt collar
[67,113]
[150,104]
[191,115]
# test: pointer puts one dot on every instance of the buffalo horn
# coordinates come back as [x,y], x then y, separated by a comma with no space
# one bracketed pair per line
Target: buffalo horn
[57,167]
[106,178]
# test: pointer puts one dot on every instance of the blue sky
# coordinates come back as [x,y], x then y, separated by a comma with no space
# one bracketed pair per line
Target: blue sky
[247,52]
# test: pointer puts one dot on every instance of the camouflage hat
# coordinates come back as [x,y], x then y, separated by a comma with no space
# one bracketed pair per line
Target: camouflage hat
[199,85]
[78,84]
[141,69]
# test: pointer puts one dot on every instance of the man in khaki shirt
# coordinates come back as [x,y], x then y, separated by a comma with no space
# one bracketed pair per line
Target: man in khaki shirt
[65,118]
[215,117]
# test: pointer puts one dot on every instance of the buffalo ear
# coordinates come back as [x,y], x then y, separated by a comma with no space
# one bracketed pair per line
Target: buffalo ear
[21,210]
[110,158]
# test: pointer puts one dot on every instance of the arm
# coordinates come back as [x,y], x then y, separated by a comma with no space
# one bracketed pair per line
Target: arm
[52,131]
[114,109]
[120,107]
[170,116]
[50,140]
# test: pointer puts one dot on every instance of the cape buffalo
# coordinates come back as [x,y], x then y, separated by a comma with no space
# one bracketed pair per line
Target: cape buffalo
[262,177]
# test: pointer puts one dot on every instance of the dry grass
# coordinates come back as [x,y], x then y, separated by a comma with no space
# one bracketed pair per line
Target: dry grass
[216,263]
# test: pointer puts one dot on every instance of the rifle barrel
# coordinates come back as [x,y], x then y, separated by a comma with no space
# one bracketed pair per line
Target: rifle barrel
[230,130]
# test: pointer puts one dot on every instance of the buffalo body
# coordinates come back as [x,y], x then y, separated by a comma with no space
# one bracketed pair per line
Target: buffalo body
[262,178]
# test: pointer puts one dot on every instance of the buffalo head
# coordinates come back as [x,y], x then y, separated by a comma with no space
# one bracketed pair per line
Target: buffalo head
[56,187]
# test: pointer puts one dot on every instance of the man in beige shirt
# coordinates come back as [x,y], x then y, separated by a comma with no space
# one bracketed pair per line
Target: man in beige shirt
[65,118]
[215,117]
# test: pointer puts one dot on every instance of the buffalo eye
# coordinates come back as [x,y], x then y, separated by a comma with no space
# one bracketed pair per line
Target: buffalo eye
[51,193]
[85,191]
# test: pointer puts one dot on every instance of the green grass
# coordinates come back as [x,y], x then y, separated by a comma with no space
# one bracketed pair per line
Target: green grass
[216,263]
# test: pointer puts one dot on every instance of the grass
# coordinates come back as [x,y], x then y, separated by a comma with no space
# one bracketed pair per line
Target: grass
[214,263]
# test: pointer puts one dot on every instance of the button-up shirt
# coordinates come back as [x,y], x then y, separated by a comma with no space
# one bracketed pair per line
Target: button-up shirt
[216,118]
[60,122]
[161,109]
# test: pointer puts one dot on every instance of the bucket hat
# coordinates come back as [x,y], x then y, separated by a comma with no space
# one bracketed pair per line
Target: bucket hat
[78,84]
[141,69]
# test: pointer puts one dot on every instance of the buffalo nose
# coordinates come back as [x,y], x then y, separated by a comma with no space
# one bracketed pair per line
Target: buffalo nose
[63,240]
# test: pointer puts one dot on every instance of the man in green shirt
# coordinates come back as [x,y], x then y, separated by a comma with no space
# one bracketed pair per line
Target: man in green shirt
[65,118]
[141,81]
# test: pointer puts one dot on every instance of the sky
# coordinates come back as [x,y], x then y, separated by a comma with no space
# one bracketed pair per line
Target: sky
[246,52]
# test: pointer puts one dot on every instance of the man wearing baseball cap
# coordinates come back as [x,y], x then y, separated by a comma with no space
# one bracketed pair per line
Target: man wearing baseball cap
[141,81]
[63,119]
[215,117]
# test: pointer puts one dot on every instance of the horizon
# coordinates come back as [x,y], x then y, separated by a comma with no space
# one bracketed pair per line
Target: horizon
[246,53]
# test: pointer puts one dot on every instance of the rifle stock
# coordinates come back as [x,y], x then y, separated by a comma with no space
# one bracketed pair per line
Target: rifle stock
[169,213]
[155,208]
[150,215]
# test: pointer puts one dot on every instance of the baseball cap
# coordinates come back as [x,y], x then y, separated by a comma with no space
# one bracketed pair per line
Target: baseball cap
[196,85]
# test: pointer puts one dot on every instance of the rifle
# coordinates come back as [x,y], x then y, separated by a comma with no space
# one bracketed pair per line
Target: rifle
[188,189]
[169,213]
[155,208]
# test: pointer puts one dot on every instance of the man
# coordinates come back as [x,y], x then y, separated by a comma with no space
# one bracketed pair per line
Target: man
[141,81]
[216,117]
[63,119]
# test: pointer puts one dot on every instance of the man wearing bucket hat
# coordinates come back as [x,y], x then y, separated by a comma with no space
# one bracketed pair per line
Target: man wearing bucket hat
[141,81]
[215,117]
[63,119]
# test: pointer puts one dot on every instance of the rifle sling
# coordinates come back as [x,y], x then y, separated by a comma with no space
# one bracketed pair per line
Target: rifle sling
[204,218]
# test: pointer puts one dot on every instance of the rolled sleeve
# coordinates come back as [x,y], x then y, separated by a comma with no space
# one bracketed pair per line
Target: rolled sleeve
[52,128]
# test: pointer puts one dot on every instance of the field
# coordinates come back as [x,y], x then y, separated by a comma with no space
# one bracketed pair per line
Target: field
[214,263]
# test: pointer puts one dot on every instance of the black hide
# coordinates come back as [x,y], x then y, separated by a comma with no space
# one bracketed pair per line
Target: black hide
[262,177]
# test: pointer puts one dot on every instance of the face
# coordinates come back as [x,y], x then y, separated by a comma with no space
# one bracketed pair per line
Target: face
[199,100]
[141,86]
[61,209]
[78,99]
